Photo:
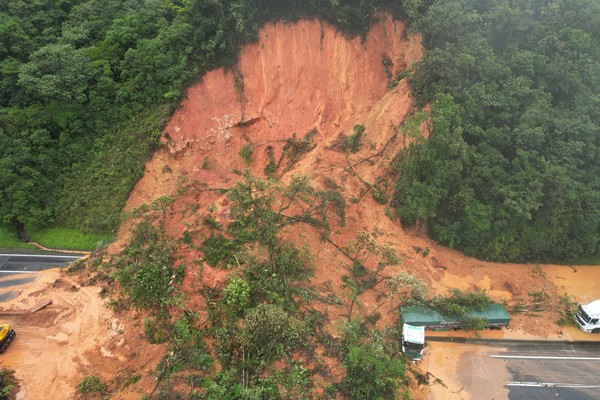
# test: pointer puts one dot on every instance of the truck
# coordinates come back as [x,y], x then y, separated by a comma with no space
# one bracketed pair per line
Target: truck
[414,321]
[588,317]
[6,336]
[413,341]
[495,316]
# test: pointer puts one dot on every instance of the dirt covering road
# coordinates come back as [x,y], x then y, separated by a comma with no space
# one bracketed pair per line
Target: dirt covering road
[78,335]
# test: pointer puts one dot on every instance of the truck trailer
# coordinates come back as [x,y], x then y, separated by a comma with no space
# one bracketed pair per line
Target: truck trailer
[494,314]
[414,321]
[588,317]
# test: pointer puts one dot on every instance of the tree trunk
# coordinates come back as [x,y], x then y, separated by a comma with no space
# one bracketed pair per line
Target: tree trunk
[21,233]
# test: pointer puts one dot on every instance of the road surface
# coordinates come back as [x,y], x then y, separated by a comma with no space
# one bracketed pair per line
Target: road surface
[31,263]
[522,370]
[552,372]
[18,270]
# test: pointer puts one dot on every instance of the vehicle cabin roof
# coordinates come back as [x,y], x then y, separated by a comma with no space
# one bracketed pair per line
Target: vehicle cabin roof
[413,334]
[592,309]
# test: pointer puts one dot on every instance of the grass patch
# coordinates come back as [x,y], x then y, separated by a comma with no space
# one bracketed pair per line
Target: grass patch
[8,240]
[68,239]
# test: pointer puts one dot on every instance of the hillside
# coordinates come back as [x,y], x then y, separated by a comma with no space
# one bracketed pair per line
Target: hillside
[289,108]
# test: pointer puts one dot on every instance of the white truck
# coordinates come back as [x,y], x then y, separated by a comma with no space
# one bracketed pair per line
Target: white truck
[588,317]
[413,341]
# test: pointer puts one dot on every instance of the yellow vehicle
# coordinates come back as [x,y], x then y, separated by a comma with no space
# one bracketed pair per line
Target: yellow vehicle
[6,336]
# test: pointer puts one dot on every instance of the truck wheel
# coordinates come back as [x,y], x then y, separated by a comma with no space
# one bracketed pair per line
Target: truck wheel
[596,330]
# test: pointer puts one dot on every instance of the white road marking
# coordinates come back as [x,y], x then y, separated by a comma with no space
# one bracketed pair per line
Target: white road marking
[18,272]
[36,255]
[551,384]
[546,357]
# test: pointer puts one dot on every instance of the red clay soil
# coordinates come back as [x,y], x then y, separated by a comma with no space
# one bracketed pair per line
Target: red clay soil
[296,78]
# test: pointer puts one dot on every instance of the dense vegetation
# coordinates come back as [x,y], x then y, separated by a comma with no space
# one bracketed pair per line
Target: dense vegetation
[87,85]
[511,170]
[263,323]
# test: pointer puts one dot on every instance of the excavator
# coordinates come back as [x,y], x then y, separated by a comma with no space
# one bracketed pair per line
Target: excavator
[6,336]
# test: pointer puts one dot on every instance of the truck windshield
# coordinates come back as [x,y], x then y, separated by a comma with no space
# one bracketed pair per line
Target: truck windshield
[413,347]
[584,315]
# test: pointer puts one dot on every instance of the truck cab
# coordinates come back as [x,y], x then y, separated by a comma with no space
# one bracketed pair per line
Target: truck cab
[588,317]
[413,341]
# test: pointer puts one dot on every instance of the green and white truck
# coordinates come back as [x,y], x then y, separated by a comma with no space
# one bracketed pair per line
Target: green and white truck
[414,321]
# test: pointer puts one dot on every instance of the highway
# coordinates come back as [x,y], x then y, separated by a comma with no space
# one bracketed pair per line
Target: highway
[552,372]
[525,369]
[13,263]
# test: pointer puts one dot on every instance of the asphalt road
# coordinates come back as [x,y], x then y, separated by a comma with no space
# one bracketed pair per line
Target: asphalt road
[534,370]
[570,372]
[18,269]
[32,263]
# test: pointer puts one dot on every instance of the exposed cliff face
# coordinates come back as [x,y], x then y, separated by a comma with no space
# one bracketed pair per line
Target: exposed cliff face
[297,77]
[300,77]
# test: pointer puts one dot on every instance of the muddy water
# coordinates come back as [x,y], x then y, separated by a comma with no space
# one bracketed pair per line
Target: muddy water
[441,361]
[581,282]
[446,364]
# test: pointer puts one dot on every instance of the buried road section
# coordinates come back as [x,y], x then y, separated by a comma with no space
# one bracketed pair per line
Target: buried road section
[19,270]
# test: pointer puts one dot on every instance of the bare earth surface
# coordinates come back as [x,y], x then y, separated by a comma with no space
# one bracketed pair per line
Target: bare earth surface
[297,78]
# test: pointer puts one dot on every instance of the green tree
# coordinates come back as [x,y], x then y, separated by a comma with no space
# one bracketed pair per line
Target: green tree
[57,72]
[23,197]
[371,373]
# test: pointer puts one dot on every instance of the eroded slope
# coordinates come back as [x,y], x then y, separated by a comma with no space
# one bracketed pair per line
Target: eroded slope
[298,78]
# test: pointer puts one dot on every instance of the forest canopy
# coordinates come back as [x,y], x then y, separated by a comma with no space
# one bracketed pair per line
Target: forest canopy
[511,170]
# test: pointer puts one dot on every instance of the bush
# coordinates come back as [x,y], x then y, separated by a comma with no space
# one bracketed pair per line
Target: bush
[246,153]
[145,268]
[7,377]
[568,308]
[267,331]
[91,384]
[218,250]
[353,142]
[236,294]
